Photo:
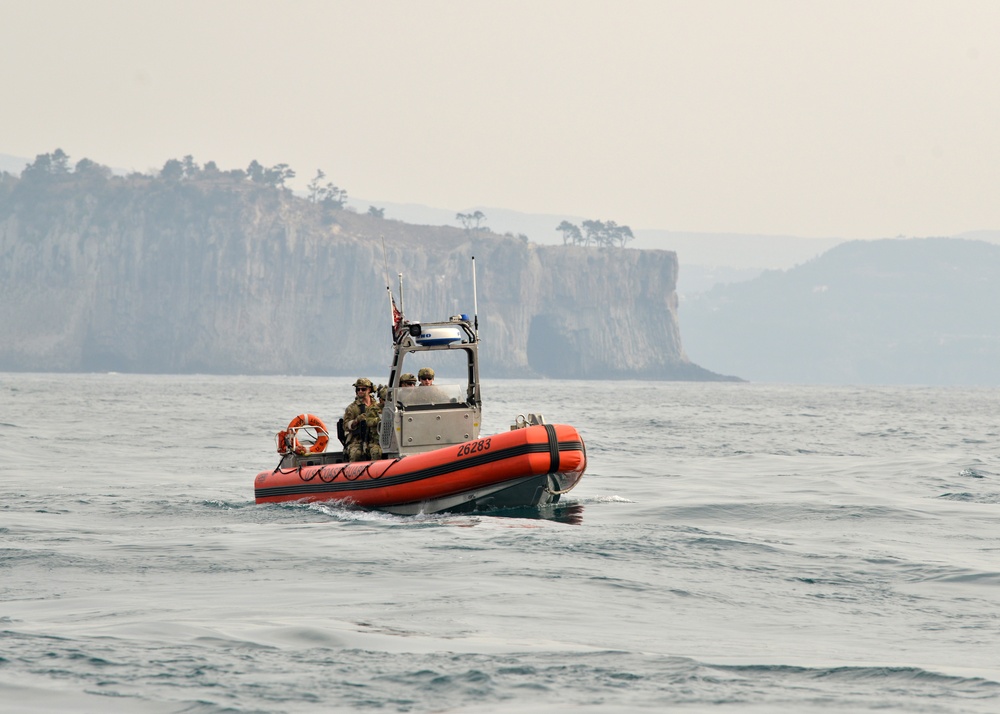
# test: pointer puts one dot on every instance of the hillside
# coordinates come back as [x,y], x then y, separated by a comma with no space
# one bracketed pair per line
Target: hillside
[909,311]
[202,270]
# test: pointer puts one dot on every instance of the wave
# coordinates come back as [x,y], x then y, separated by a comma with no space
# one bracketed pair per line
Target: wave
[969,497]
[296,669]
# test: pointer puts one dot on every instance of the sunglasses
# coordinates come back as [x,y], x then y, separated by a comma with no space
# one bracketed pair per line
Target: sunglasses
[360,389]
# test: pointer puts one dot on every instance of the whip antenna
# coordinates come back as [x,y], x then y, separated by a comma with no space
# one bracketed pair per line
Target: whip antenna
[385,259]
[475,298]
[395,316]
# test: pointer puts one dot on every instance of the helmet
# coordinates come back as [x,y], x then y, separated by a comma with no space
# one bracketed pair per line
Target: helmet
[381,393]
[426,373]
[364,382]
[408,378]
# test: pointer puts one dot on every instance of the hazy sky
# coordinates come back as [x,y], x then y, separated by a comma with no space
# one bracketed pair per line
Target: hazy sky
[843,119]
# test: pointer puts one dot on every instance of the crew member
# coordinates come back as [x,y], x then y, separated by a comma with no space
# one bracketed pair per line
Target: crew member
[373,415]
[355,424]
[429,392]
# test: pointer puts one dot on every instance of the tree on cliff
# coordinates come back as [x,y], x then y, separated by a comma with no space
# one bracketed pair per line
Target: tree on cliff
[614,233]
[46,166]
[191,168]
[571,233]
[472,221]
[173,170]
[600,233]
[85,168]
[329,195]
[314,186]
[625,235]
[274,176]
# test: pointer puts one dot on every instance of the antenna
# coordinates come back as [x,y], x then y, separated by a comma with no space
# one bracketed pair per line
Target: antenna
[385,259]
[475,298]
[393,320]
[400,275]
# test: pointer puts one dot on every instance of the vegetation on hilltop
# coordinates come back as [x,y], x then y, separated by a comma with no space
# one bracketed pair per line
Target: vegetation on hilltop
[604,234]
[472,221]
[50,177]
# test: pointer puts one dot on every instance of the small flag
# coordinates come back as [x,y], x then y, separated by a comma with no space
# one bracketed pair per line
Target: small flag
[397,316]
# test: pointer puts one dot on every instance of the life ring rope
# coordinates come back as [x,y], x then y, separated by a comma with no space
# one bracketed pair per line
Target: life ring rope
[288,440]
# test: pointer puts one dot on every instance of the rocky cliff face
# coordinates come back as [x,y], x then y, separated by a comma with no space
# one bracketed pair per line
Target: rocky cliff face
[145,275]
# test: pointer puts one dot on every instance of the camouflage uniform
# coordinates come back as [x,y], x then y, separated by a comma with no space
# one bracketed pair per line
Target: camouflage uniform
[356,425]
[373,415]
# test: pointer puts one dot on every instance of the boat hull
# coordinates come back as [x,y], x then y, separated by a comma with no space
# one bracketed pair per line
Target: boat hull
[524,467]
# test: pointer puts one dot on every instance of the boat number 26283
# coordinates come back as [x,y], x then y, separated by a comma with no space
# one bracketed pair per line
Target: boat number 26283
[473,447]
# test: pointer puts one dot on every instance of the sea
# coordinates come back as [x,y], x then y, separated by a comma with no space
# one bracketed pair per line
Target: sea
[732,547]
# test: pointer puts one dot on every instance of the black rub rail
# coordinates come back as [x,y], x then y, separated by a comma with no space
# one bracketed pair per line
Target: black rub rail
[304,489]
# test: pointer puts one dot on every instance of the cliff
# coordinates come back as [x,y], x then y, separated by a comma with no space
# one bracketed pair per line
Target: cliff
[220,275]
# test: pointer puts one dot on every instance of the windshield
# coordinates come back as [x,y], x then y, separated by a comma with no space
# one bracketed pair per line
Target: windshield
[433,394]
[449,382]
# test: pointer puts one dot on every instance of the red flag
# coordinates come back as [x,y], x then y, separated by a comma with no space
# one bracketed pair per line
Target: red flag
[397,316]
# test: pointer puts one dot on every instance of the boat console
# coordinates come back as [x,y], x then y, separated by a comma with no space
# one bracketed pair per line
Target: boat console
[427,417]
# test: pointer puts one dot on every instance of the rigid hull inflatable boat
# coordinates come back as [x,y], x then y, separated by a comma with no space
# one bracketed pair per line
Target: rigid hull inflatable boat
[530,466]
[433,457]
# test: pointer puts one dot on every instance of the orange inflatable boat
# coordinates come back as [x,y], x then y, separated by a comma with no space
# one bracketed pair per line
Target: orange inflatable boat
[426,453]
[528,466]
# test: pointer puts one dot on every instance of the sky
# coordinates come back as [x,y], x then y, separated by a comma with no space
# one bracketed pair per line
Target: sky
[847,119]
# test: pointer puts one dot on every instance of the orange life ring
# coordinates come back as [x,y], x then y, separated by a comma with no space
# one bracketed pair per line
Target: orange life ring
[288,440]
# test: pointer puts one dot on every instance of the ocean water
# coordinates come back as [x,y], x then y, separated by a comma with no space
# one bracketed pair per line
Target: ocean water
[732,547]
